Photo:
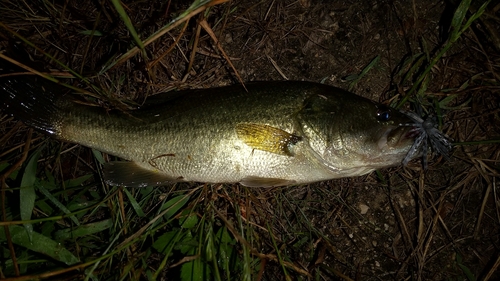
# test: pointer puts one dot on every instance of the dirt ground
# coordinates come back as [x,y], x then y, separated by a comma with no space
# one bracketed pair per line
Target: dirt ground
[402,223]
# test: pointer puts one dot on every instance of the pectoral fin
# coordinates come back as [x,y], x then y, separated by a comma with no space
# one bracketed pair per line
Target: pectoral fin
[265,182]
[267,138]
[132,175]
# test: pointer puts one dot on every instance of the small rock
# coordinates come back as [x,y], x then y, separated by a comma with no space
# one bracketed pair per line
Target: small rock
[363,208]
[228,38]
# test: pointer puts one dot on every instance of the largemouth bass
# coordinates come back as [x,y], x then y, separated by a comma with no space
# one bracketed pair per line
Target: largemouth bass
[272,134]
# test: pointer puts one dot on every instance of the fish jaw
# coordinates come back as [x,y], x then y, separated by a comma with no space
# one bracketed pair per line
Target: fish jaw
[393,145]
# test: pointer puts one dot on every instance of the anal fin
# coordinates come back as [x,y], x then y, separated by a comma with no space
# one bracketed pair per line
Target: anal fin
[132,175]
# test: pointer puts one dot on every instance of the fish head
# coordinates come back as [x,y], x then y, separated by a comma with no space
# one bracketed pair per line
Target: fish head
[351,133]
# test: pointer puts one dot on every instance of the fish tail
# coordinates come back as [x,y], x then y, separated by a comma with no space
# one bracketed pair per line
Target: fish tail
[33,101]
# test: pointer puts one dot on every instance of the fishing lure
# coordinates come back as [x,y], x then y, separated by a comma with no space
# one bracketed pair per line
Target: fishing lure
[427,135]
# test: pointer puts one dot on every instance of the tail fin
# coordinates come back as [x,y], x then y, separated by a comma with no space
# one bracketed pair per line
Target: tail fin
[33,101]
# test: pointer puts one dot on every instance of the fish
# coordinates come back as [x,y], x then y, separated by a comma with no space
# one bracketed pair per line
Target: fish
[263,134]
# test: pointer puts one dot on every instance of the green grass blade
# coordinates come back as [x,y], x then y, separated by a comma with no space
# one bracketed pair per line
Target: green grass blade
[458,18]
[246,259]
[76,182]
[27,193]
[195,8]
[40,244]
[98,155]
[92,33]
[278,252]
[474,17]
[365,70]
[189,221]
[83,230]
[415,61]
[210,247]
[193,271]
[56,202]
[128,23]
[135,205]
[165,244]
[174,204]
[226,245]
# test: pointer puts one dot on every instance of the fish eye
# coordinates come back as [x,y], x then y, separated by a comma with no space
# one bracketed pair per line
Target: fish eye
[383,113]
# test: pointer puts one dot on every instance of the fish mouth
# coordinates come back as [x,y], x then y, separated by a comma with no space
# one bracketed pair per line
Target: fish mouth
[413,132]
[401,136]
